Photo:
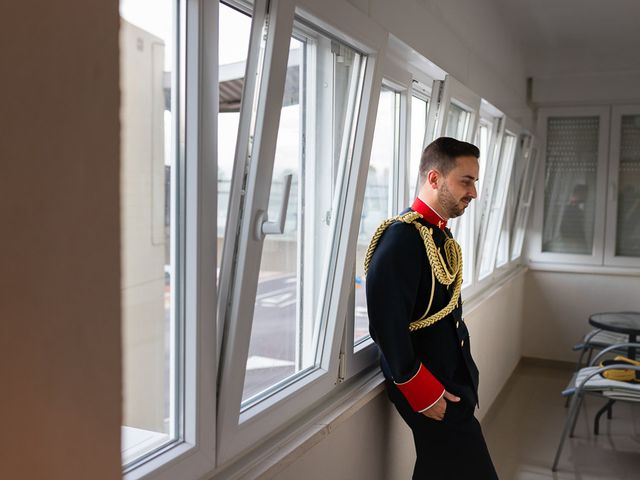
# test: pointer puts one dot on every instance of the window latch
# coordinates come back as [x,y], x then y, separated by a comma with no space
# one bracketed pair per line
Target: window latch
[263,225]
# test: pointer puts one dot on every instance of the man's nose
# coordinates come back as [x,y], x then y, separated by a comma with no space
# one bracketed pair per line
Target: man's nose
[474,192]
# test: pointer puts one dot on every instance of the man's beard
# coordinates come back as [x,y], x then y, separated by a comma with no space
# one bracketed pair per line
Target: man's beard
[453,208]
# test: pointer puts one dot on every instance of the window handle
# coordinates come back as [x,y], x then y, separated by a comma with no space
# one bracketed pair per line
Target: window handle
[263,225]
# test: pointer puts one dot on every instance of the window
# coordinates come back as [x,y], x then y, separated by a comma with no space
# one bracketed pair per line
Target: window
[151,224]
[570,213]
[234,33]
[279,345]
[519,167]
[524,203]
[419,111]
[497,206]
[282,274]
[457,122]
[623,214]
[378,196]
[571,167]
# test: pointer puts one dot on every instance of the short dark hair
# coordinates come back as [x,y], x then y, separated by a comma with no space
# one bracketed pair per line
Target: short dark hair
[441,155]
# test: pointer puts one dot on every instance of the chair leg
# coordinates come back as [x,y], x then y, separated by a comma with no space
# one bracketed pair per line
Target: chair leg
[596,421]
[573,413]
[589,356]
[575,417]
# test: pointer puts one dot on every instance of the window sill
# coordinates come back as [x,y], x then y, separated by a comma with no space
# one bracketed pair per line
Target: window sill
[588,269]
[136,442]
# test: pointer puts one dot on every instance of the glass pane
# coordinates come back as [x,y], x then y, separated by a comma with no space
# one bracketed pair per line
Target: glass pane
[503,245]
[523,207]
[570,184]
[418,129]
[457,122]
[148,183]
[234,32]
[320,101]
[498,203]
[484,130]
[628,225]
[377,197]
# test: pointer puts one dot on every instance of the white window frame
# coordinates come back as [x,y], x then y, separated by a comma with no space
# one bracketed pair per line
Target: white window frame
[596,256]
[610,257]
[518,171]
[239,430]
[495,118]
[191,456]
[499,197]
[359,357]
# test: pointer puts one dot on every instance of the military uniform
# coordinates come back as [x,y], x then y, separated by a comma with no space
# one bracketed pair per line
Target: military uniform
[419,362]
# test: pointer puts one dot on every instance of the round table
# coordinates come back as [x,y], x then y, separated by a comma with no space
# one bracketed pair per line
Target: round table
[619,322]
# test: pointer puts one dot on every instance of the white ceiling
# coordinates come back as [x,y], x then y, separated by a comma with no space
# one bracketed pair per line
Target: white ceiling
[575,36]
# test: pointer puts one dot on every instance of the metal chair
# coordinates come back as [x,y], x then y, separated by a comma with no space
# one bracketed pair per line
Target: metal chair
[588,380]
[597,339]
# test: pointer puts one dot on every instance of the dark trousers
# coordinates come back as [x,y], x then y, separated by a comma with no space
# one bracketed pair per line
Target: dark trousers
[450,449]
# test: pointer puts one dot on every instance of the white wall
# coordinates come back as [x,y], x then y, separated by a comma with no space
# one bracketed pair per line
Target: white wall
[467,39]
[557,307]
[590,88]
[60,282]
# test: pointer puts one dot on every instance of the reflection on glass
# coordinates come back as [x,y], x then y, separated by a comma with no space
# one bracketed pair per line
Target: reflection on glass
[148,226]
[457,122]
[377,197]
[570,183]
[418,130]
[234,32]
[320,101]
[628,224]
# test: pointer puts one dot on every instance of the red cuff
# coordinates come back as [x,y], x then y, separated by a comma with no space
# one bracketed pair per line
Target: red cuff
[422,391]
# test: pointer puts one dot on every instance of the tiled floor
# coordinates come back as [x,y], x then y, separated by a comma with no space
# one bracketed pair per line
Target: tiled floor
[524,425]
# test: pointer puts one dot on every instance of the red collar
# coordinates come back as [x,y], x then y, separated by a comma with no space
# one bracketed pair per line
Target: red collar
[428,213]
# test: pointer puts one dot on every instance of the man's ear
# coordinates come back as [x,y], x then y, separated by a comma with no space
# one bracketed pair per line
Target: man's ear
[432,178]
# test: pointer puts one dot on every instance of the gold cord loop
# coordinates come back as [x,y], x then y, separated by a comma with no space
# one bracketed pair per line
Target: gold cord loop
[446,272]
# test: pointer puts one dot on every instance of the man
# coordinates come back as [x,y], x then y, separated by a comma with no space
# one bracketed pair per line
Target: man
[414,277]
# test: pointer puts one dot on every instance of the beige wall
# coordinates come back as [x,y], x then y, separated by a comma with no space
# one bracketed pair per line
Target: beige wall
[60,282]
[558,305]
[356,449]
[376,444]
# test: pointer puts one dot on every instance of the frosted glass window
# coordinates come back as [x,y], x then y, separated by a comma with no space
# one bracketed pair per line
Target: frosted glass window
[570,184]
[628,225]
